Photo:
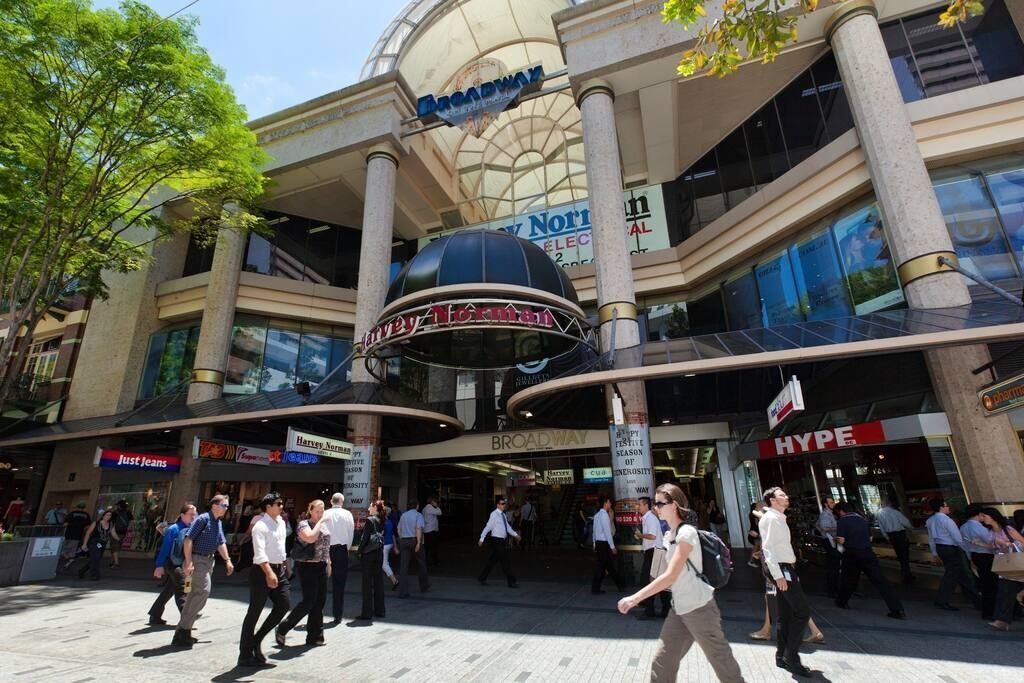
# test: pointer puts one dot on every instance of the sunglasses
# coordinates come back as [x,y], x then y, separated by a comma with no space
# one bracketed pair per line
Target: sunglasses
[224,505]
[661,503]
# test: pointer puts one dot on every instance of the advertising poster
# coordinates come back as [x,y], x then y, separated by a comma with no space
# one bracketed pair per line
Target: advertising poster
[358,475]
[631,465]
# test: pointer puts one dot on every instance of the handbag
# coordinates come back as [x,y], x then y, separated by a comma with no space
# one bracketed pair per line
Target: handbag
[374,541]
[1009,565]
[659,562]
[302,551]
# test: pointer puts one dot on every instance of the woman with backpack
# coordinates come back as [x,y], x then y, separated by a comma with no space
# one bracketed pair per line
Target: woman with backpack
[695,615]
[122,519]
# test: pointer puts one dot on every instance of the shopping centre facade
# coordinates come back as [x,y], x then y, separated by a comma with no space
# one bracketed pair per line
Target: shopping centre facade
[706,241]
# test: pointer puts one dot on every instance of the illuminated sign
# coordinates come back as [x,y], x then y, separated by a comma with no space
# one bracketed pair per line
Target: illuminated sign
[124,460]
[1001,396]
[822,440]
[597,475]
[205,449]
[316,444]
[790,401]
[490,97]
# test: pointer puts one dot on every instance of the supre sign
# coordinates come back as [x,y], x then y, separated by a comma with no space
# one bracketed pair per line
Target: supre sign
[822,440]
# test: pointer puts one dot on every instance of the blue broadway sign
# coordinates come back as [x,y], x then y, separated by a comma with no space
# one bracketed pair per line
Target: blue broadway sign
[491,97]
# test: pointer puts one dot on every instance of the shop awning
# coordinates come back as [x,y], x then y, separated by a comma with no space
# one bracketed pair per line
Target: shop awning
[406,422]
[805,342]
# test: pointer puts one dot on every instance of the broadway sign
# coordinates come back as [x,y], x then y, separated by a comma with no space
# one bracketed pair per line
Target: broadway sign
[822,440]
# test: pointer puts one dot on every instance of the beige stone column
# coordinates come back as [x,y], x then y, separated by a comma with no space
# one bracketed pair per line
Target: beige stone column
[630,442]
[362,473]
[987,448]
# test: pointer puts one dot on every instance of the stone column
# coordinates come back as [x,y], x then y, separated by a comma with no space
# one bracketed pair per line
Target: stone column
[630,442]
[362,474]
[988,450]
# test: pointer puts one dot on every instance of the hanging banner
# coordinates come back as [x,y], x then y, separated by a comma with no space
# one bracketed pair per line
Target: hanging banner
[323,446]
[789,402]
[564,232]
[124,460]
[358,474]
[631,465]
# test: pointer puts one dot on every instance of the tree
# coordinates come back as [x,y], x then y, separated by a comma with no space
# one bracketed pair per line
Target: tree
[108,118]
[759,29]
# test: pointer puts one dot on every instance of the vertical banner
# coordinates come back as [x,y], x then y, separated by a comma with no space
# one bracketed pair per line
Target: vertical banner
[631,466]
[358,475]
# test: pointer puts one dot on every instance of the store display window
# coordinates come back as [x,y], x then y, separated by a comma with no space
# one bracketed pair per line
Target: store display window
[147,506]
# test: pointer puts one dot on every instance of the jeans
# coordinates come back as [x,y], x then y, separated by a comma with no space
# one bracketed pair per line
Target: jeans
[313,577]
[259,591]
[95,559]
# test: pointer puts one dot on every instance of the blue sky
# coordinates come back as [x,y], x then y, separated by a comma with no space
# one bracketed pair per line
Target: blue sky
[281,52]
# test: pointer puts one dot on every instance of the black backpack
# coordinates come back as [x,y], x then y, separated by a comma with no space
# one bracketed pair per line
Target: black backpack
[716,559]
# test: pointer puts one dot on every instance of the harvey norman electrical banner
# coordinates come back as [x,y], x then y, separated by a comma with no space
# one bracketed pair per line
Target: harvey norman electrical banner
[323,446]
[564,231]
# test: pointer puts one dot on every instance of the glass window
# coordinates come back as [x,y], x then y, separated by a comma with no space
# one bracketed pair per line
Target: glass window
[780,303]
[838,117]
[147,503]
[902,60]
[258,255]
[319,258]
[742,304]
[767,151]
[995,43]
[1007,187]
[977,235]
[198,258]
[706,314]
[667,321]
[803,128]
[734,164]
[169,360]
[819,278]
[941,55]
[314,357]
[149,374]
[280,358]
[867,261]
[707,189]
[245,361]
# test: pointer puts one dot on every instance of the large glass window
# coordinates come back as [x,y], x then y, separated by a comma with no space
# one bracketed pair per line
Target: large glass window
[866,260]
[780,303]
[973,224]
[281,357]
[820,283]
[245,361]
[742,304]
[308,250]
[1006,184]
[169,360]
[706,314]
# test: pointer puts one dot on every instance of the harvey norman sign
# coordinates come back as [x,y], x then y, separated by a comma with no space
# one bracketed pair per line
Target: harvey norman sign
[323,446]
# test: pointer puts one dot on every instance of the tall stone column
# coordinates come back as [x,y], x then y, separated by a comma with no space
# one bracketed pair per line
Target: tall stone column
[362,473]
[987,448]
[616,298]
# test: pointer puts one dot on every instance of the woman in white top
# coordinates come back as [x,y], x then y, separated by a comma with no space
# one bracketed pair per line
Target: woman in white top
[694,616]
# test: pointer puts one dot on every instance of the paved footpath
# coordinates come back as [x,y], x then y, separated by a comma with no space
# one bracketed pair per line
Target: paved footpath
[74,632]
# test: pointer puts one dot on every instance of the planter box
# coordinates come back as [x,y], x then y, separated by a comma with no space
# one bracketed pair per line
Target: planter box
[12,554]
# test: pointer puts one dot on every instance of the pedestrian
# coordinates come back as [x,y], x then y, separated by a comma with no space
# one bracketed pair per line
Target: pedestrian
[1007,540]
[371,548]
[122,523]
[78,520]
[527,523]
[980,546]
[203,539]
[500,533]
[341,528]
[695,616]
[98,536]
[716,519]
[827,529]
[779,562]
[389,545]
[652,541]
[410,543]
[168,566]
[754,535]
[854,535]
[431,530]
[312,556]
[604,547]
[945,542]
[894,525]
[58,514]
[268,578]
[771,616]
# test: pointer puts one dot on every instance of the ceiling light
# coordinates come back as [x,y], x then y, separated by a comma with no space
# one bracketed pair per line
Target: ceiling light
[266,419]
[527,414]
[319,228]
[665,422]
[167,431]
[691,374]
[442,425]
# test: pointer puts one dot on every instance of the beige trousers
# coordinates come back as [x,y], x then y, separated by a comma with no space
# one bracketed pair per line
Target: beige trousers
[678,634]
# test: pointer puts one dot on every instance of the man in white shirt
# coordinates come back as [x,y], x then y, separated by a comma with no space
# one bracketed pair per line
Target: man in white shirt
[528,522]
[894,525]
[604,544]
[827,528]
[431,530]
[410,542]
[652,539]
[341,527]
[500,531]
[268,577]
[779,561]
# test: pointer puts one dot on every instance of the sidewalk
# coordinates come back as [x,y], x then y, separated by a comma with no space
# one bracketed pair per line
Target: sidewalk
[78,631]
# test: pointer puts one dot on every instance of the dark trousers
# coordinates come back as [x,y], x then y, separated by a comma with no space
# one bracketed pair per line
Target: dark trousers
[172,585]
[987,582]
[1006,599]
[527,529]
[666,597]
[430,547]
[605,563]
[313,577]
[409,555]
[259,591]
[857,561]
[95,558]
[901,545]
[339,575]
[372,565]
[794,613]
[832,565]
[953,574]
[499,553]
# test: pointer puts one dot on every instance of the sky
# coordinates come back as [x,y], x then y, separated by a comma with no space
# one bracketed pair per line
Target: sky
[281,52]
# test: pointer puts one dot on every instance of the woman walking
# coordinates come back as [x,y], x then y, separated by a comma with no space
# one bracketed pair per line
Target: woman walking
[694,616]
[1007,540]
[371,551]
[312,555]
[389,543]
[98,536]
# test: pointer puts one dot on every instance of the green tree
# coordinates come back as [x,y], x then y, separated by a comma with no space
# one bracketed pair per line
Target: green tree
[108,118]
[758,30]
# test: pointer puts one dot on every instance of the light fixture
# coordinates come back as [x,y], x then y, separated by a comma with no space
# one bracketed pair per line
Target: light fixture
[527,414]
[167,431]
[442,425]
[665,422]
[881,456]
[319,228]
[691,374]
[266,419]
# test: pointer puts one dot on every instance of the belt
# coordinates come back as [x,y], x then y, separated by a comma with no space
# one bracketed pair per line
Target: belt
[275,566]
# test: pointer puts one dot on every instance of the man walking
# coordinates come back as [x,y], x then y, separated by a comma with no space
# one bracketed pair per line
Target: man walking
[341,528]
[652,539]
[204,538]
[500,532]
[410,543]
[168,569]
[268,578]
[431,530]
[58,514]
[779,560]
[604,545]
[945,542]
[827,529]
[981,548]
[894,525]
[78,521]
[528,523]
[854,535]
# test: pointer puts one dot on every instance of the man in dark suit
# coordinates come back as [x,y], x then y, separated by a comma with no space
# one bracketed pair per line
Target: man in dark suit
[854,535]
